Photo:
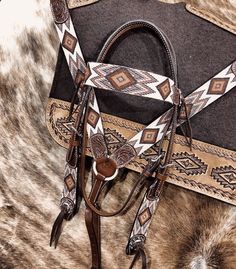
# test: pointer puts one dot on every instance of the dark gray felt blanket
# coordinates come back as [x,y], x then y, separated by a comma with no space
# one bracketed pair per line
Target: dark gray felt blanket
[189,231]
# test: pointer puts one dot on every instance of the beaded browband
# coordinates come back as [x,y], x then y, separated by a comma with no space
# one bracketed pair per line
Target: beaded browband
[105,166]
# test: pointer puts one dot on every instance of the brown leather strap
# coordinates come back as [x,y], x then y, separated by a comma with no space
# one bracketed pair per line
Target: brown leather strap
[139,183]
[99,179]
[139,253]
[141,24]
[92,221]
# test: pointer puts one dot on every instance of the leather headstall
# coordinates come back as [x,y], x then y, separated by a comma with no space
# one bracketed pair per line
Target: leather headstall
[88,127]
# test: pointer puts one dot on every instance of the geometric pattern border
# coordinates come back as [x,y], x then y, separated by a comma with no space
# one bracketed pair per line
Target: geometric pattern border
[119,130]
[189,164]
[226,176]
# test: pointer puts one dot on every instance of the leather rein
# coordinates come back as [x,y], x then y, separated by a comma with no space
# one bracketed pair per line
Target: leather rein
[106,166]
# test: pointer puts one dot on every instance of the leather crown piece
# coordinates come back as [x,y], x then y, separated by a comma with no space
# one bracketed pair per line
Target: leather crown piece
[88,119]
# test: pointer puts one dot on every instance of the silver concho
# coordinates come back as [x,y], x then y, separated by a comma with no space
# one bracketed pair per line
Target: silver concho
[134,242]
[68,204]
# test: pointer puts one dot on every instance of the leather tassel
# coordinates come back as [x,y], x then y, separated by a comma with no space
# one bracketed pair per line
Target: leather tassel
[139,252]
[57,227]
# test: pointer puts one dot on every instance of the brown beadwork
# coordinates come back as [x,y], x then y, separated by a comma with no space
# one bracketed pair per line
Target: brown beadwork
[121,79]
[218,86]
[70,183]
[164,89]
[69,42]
[145,216]
[149,136]
[93,117]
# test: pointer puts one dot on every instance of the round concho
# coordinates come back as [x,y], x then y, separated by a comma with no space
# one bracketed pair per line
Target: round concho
[106,167]
[233,68]
[59,10]
[68,203]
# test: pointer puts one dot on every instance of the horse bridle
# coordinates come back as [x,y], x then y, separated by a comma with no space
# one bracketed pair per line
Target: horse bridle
[105,166]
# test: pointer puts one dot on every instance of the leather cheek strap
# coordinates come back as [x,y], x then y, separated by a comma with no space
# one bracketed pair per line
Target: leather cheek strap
[140,24]
[98,184]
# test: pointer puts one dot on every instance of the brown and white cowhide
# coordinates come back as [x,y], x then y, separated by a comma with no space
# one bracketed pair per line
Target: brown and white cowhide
[189,230]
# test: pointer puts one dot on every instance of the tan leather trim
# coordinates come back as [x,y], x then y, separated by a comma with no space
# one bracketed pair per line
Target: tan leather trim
[207,169]
[79,3]
[220,12]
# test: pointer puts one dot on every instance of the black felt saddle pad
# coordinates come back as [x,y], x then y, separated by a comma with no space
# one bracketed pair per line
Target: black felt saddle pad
[202,50]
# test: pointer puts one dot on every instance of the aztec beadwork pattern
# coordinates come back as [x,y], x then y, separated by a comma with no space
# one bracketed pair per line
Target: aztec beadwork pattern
[95,129]
[77,67]
[203,96]
[94,125]
[68,38]
[69,191]
[196,101]
[213,89]
[130,81]
[207,169]
[144,216]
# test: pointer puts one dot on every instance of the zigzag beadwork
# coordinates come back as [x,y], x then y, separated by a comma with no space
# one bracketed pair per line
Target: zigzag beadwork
[206,94]
[77,65]
[71,48]
[69,191]
[130,81]
[144,216]
[94,125]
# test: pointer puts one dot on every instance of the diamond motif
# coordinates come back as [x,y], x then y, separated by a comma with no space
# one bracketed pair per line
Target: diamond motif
[114,139]
[70,183]
[226,176]
[218,86]
[69,42]
[151,152]
[145,216]
[189,164]
[121,79]
[63,126]
[93,117]
[164,89]
[149,136]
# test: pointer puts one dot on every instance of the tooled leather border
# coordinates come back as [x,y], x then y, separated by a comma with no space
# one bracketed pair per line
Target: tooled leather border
[209,12]
[207,169]
[193,7]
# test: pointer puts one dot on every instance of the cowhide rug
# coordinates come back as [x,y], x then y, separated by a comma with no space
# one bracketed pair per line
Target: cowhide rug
[190,230]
